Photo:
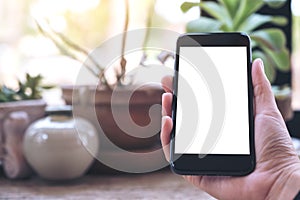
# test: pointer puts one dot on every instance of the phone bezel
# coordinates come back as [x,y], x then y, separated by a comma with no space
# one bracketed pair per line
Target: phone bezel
[213,164]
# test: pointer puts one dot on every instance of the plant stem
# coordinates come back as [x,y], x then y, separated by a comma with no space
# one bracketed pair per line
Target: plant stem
[148,24]
[62,49]
[76,47]
[200,11]
[123,60]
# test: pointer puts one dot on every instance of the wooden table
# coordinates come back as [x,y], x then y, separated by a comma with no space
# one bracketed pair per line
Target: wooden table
[158,185]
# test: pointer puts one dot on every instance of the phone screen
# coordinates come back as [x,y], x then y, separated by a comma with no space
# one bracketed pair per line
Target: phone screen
[211,119]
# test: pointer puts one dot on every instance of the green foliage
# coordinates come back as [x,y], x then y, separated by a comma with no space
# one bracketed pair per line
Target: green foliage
[240,16]
[30,89]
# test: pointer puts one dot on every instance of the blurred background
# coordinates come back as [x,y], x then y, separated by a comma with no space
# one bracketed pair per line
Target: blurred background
[24,49]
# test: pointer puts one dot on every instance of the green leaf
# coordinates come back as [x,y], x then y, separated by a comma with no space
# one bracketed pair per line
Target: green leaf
[30,89]
[256,20]
[271,38]
[7,91]
[186,6]
[272,42]
[279,20]
[275,3]
[3,98]
[48,87]
[217,11]
[231,6]
[280,58]
[245,9]
[6,94]
[203,24]
[28,76]
[269,65]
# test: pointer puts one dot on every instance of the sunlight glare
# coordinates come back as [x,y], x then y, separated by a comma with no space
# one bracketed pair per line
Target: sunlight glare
[170,10]
[47,8]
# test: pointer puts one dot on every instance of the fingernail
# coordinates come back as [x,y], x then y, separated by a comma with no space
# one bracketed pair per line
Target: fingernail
[261,64]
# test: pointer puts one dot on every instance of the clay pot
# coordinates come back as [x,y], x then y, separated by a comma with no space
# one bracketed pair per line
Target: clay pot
[129,106]
[283,97]
[15,117]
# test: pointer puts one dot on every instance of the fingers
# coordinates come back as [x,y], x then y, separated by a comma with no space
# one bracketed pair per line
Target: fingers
[167,104]
[167,83]
[167,123]
[263,96]
[166,128]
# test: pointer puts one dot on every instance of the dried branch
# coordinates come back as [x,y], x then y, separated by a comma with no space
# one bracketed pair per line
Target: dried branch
[148,24]
[64,50]
[147,34]
[75,47]
[123,60]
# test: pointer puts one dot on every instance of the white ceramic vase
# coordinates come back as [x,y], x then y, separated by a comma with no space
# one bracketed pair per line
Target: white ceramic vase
[59,147]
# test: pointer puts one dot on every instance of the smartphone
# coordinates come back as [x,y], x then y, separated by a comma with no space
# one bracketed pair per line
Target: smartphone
[212,109]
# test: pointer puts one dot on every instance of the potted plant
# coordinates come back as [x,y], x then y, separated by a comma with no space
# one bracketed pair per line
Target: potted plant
[135,98]
[18,109]
[269,44]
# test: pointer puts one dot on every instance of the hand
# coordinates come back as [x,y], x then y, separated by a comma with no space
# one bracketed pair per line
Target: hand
[277,173]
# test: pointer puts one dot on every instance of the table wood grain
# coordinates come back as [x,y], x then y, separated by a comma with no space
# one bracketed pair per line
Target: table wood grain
[158,185]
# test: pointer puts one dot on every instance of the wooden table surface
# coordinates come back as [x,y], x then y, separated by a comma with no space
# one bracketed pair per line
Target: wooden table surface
[158,185]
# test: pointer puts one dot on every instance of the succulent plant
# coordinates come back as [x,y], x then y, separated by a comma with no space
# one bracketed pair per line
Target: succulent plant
[30,89]
[269,44]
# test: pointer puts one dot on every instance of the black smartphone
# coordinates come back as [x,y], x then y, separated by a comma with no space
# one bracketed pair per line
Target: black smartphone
[212,109]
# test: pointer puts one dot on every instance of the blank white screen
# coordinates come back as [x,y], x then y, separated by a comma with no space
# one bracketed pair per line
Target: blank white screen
[231,64]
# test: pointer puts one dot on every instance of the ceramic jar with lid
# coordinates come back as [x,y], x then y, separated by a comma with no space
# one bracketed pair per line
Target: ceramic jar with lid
[59,147]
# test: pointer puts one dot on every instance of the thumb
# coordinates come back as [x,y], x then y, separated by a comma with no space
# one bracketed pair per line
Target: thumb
[263,96]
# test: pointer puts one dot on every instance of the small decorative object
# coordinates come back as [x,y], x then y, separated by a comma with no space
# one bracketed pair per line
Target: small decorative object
[56,146]
[19,107]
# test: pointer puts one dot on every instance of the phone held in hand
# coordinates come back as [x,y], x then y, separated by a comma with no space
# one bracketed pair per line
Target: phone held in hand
[212,109]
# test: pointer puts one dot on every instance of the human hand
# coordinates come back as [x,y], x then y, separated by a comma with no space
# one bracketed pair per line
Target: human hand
[277,173]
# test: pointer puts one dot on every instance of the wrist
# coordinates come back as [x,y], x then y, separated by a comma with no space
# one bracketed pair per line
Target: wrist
[286,187]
